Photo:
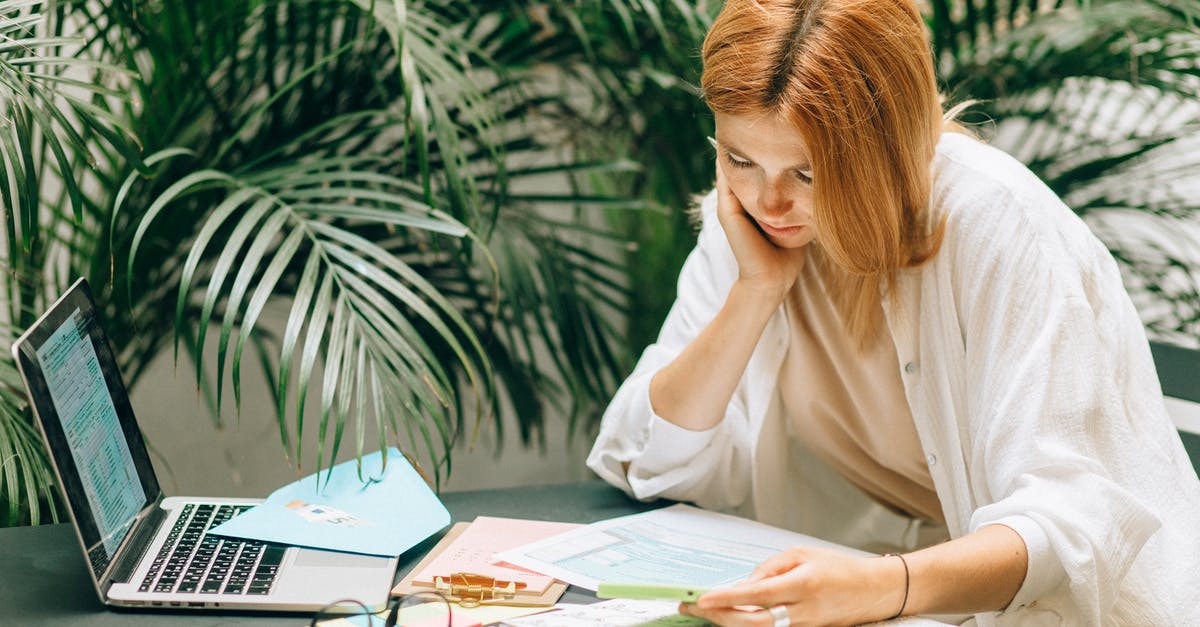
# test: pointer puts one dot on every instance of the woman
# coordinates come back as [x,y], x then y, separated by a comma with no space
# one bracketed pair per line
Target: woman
[892,335]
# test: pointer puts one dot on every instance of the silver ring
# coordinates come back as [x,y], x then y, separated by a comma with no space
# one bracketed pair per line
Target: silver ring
[780,614]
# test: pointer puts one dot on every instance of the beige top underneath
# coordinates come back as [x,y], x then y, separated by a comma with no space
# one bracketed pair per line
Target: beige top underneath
[848,406]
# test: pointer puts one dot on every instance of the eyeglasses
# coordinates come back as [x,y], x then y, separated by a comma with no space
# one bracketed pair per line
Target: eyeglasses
[424,609]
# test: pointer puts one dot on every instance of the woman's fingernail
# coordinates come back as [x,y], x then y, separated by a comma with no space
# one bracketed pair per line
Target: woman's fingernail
[712,141]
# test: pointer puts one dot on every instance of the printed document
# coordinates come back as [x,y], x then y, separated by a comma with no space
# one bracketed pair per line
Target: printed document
[679,545]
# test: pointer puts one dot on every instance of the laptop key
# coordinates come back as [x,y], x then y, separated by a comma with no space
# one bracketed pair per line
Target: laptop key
[273,556]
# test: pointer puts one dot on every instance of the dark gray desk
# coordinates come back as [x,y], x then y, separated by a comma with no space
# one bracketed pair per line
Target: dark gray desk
[44,581]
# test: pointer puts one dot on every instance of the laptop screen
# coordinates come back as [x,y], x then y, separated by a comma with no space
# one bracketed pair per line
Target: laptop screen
[89,424]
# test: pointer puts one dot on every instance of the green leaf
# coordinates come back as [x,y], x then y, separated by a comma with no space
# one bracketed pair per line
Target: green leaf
[308,358]
[267,233]
[220,272]
[266,286]
[220,214]
[305,291]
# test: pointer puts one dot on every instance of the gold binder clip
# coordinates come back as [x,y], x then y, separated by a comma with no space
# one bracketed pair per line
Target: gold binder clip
[472,590]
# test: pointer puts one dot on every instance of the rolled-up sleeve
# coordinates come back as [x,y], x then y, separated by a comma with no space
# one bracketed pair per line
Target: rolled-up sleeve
[644,454]
[1045,571]
[1055,421]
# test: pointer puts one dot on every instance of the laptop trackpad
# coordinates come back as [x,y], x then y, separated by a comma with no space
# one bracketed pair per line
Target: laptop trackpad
[325,559]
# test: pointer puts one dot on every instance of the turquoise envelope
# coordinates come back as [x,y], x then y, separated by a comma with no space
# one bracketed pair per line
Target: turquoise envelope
[334,509]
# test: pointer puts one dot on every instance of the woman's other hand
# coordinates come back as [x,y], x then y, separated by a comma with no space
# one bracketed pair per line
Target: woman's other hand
[815,586]
[762,266]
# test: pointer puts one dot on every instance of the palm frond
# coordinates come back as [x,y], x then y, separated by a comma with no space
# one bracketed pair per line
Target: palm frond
[45,112]
[1143,43]
[478,121]
[58,139]
[371,306]
[27,485]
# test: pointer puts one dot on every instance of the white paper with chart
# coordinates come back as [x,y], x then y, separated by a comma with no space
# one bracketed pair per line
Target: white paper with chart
[680,544]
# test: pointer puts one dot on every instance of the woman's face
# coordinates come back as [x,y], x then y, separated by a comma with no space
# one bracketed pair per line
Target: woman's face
[767,167]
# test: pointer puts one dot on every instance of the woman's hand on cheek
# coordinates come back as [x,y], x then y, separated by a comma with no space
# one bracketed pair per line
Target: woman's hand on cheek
[814,586]
[762,266]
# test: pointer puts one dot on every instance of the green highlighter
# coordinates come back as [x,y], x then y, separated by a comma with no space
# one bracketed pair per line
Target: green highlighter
[610,590]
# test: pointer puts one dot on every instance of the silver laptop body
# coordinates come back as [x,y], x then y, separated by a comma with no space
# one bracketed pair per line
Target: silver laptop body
[142,549]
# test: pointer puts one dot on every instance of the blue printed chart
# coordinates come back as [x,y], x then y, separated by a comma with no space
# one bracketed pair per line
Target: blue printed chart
[680,545]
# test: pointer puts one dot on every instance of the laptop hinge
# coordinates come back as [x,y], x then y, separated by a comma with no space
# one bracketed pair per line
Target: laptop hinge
[138,543]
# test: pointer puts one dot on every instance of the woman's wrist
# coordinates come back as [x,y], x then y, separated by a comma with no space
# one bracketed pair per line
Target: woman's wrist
[978,572]
[762,296]
[890,587]
[907,585]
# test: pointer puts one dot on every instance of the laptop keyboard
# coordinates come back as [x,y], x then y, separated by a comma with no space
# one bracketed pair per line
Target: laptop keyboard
[191,561]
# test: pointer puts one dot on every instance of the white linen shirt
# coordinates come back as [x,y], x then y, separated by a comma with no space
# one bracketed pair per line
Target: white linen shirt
[1029,378]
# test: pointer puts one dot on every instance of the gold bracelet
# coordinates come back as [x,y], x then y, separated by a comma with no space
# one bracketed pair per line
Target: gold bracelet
[904,603]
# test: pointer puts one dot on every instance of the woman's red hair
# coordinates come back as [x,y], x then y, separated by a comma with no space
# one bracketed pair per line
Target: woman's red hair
[856,79]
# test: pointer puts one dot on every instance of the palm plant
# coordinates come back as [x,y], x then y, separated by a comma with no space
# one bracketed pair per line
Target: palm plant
[56,137]
[375,168]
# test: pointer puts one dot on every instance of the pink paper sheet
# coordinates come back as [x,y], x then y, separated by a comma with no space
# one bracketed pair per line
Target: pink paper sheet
[472,551]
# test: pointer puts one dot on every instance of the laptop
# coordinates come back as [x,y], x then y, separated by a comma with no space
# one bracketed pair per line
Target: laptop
[142,548]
